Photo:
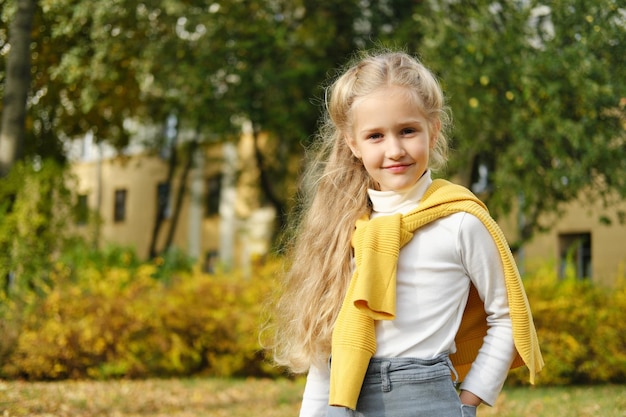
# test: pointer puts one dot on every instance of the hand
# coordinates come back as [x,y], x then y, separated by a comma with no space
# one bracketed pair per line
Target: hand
[469,398]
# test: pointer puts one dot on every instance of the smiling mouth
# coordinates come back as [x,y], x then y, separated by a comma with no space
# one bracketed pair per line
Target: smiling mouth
[397,168]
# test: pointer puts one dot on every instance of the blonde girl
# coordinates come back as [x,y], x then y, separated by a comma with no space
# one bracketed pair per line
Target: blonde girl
[388,266]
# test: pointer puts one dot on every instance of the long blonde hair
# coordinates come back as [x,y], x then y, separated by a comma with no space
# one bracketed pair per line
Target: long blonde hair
[317,278]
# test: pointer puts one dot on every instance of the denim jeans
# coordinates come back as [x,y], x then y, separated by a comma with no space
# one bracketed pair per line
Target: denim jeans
[408,387]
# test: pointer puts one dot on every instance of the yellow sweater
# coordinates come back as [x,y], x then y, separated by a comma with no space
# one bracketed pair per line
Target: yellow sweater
[372,293]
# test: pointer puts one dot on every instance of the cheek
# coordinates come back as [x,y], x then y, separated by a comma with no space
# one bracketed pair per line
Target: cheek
[368,161]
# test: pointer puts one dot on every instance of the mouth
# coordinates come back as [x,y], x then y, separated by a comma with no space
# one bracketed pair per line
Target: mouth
[397,168]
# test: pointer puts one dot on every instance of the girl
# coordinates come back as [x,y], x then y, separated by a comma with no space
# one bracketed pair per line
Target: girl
[400,285]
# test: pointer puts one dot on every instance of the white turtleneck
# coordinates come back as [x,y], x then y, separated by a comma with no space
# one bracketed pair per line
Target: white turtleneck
[433,279]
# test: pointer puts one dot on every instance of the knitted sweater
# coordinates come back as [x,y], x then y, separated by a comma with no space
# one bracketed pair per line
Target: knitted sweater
[372,293]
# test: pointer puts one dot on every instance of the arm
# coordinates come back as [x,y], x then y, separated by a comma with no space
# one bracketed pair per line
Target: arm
[482,263]
[315,397]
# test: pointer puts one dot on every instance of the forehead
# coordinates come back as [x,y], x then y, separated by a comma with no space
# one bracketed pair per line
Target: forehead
[385,97]
[387,92]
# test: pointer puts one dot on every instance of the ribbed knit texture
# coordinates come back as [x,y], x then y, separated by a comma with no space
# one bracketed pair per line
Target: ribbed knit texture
[372,293]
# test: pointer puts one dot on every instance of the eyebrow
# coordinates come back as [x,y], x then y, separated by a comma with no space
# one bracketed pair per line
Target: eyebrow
[403,123]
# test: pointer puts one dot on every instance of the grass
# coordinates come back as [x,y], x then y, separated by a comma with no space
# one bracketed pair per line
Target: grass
[261,398]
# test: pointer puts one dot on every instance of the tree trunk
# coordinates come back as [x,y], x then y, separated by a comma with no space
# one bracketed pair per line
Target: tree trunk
[16,88]
[180,194]
[266,185]
[172,144]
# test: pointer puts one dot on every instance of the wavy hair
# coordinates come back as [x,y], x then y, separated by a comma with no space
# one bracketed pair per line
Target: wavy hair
[336,185]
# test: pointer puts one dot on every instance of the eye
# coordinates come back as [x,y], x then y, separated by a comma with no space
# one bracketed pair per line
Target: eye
[374,136]
[408,131]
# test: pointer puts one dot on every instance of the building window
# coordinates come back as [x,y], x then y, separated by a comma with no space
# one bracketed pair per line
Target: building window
[575,255]
[82,210]
[214,189]
[119,208]
[164,208]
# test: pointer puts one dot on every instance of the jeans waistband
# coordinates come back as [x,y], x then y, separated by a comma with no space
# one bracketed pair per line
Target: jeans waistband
[387,370]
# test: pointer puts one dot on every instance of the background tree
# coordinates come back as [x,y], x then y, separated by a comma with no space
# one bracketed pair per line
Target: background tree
[278,62]
[16,85]
[536,91]
[531,89]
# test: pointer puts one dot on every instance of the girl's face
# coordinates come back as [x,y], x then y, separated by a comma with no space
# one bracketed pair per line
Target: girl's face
[392,137]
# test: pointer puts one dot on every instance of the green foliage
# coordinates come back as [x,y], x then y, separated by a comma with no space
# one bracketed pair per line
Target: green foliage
[113,256]
[534,96]
[36,210]
[581,331]
[112,321]
[171,262]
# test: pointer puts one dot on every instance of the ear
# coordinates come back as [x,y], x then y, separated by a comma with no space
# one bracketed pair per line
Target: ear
[434,133]
[352,145]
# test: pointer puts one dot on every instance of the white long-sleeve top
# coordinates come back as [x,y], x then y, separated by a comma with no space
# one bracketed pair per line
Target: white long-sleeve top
[433,279]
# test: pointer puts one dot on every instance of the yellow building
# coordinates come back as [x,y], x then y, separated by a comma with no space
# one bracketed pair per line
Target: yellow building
[216,218]
[578,240]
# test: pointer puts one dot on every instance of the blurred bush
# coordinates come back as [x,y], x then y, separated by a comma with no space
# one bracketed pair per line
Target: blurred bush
[107,315]
[97,321]
[581,329]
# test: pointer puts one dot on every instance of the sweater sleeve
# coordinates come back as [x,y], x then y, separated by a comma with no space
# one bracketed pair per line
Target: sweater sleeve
[482,262]
[315,397]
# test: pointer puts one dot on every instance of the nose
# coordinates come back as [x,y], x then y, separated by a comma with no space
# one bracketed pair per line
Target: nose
[394,150]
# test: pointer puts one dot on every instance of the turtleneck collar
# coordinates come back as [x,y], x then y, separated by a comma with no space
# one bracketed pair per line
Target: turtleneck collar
[390,202]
